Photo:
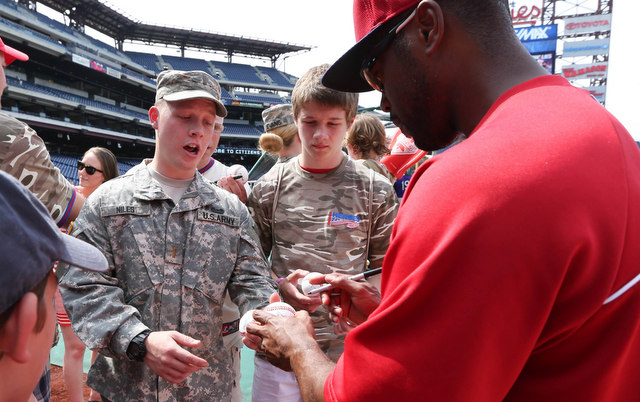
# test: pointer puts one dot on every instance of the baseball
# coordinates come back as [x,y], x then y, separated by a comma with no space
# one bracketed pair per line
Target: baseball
[306,286]
[237,170]
[278,308]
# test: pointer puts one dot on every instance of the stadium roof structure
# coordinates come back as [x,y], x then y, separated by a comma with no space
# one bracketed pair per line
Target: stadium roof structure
[102,18]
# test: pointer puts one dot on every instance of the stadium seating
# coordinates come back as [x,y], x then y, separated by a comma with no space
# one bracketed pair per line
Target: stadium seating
[277,76]
[240,73]
[259,97]
[79,92]
[139,76]
[240,129]
[74,98]
[147,60]
[184,63]
[28,31]
[226,97]
[55,32]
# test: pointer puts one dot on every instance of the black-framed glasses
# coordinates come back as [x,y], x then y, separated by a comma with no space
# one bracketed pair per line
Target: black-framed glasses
[372,79]
[88,168]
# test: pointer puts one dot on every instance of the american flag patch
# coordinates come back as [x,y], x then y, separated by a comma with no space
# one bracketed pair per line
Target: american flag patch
[336,219]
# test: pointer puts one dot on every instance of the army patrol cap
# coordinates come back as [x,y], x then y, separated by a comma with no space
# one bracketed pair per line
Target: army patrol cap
[277,116]
[31,243]
[176,85]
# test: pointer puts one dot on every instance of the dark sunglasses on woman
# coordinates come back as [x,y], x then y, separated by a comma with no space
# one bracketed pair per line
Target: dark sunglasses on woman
[90,169]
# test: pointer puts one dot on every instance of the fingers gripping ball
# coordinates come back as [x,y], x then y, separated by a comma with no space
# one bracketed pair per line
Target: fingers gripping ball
[307,287]
[239,170]
[278,308]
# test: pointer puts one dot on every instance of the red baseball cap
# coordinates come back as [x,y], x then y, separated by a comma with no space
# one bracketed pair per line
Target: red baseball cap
[10,54]
[371,20]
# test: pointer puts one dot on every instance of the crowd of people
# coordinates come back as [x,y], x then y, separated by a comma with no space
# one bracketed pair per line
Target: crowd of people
[510,272]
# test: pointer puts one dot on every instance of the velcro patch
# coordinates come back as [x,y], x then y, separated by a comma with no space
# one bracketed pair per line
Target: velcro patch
[218,218]
[110,210]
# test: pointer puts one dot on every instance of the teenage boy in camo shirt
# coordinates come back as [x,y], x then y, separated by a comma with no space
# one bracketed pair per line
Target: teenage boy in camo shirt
[319,212]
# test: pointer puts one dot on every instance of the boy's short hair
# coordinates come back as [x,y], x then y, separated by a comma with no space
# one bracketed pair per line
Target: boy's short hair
[309,88]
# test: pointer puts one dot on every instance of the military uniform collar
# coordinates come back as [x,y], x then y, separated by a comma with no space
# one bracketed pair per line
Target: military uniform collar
[147,188]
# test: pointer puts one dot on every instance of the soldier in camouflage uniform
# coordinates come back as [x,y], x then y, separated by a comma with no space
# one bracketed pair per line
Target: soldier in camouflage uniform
[319,212]
[175,245]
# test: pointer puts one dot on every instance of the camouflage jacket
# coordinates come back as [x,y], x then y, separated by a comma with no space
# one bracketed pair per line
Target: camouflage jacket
[169,268]
[24,156]
[321,224]
[230,311]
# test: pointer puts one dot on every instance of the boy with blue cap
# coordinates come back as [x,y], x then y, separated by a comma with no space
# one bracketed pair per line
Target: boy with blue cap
[30,245]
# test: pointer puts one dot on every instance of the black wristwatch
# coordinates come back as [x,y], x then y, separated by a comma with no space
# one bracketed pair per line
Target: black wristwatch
[137,349]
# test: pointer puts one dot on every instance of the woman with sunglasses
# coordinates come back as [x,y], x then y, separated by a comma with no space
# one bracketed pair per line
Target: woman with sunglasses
[97,166]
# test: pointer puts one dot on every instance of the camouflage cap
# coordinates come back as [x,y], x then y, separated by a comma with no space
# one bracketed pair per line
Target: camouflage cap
[277,116]
[176,85]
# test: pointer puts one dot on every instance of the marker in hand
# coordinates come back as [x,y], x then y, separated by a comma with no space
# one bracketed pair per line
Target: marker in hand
[236,177]
[362,275]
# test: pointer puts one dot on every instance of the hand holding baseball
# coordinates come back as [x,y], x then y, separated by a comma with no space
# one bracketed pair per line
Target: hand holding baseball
[291,295]
[350,300]
[280,337]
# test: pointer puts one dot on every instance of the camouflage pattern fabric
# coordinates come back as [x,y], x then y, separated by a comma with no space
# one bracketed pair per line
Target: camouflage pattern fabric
[378,167]
[170,267]
[283,159]
[229,310]
[277,116]
[321,224]
[24,156]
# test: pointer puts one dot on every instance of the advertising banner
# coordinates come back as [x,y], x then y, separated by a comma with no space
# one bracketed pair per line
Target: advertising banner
[587,24]
[598,92]
[98,66]
[237,151]
[526,12]
[538,39]
[586,47]
[585,71]
[83,61]
[113,72]
[546,61]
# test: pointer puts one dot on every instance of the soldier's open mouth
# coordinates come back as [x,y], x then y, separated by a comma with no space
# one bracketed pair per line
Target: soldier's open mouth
[191,148]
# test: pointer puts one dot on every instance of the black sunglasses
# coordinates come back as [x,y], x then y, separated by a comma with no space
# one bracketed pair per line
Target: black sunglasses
[374,80]
[88,168]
